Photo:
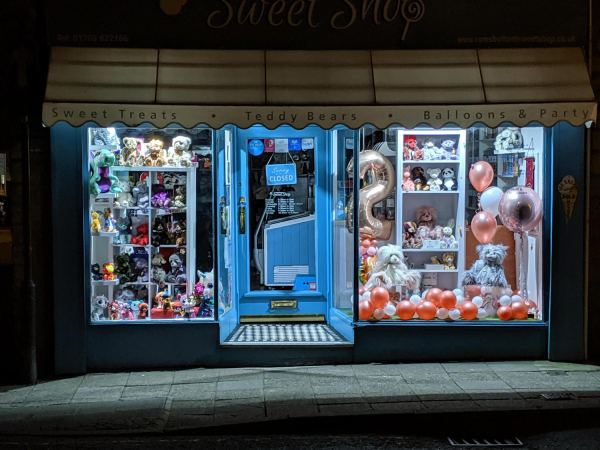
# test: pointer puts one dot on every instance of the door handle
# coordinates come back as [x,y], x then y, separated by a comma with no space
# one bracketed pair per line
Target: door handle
[242,215]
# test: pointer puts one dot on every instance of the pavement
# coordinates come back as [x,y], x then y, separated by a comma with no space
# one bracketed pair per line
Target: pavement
[172,401]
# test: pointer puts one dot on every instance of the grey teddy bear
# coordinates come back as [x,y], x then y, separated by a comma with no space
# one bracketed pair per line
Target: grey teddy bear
[488,269]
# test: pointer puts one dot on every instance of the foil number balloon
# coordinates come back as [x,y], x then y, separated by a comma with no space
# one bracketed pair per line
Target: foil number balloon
[385,182]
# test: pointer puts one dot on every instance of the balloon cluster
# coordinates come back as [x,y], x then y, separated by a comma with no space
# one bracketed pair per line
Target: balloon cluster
[367,258]
[375,304]
[513,306]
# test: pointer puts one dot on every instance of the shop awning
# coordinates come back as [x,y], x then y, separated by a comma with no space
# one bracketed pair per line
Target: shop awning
[326,88]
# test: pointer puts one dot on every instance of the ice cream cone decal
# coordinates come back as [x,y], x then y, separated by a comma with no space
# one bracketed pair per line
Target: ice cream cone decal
[567,189]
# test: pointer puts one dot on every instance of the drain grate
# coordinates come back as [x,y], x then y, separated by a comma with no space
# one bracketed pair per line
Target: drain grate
[485,442]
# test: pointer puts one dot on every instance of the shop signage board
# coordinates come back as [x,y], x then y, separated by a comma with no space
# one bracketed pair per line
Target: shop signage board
[281,174]
[318,24]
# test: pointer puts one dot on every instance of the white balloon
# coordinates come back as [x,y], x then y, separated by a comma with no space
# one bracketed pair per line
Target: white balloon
[454,314]
[478,301]
[516,298]
[378,314]
[490,199]
[415,299]
[442,313]
[424,293]
[389,309]
[460,299]
[458,292]
[367,296]
[505,300]
[507,291]
[481,313]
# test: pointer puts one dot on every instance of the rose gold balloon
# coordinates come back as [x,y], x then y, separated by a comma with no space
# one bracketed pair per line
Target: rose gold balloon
[365,309]
[405,310]
[519,310]
[481,175]
[484,227]
[520,209]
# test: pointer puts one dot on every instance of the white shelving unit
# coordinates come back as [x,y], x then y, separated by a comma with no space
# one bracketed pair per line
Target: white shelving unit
[448,204]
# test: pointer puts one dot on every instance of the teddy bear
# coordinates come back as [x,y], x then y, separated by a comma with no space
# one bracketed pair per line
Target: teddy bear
[180,230]
[140,270]
[159,232]
[410,147]
[434,182]
[99,304]
[448,180]
[177,273]
[430,151]
[158,260]
[140,195]
[427,227]
[141,238]
[407,183]
[509,138]
[179,200]
[448,239]
[123,269]
[181,157]
[410,236]
[159,275]
[418,178]
[390,270]
[95,221]
[124,229]
[488,269]
[130,154]
[161,198]
[124,198]
[156,157]
[448,146]
[448,259]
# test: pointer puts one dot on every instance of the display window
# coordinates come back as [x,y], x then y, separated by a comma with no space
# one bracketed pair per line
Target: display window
[449,224]
[150,225]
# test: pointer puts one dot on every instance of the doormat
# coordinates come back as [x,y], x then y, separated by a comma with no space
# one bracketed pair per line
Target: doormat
[287,334]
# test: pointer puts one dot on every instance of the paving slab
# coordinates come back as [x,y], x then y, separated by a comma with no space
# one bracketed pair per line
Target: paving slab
[571,367]
[97,393]
[194,376]
[466,367]
[513,366]
[195,391]
[153,391]
[482,381]
[14,394]
[150,378]
[105,379]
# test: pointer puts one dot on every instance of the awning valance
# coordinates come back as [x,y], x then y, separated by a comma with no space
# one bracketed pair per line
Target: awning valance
[326,88]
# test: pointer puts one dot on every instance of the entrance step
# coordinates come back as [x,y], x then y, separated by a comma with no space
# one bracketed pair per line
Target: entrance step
[285,335]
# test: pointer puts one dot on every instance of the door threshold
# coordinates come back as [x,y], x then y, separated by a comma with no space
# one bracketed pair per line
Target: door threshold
[286,335]
[284,318]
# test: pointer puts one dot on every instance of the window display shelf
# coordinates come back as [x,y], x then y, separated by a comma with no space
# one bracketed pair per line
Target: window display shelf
[133,208]
[430,192]
[437,161]
[94,148]
[153,169]
[105,282]
[437,270]
[104,233]
[430,250]
[131,245]
[105,195]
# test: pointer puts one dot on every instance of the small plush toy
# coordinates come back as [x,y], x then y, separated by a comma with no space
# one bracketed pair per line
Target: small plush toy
[159,276]
[181,157]
[188,305]
[448,180]
[113,310]
[426,223]
[179,200]
[140,195]
[96,275]
[177,273]
[448,239]
[418,178]
[448,261]
[434,182]
[109,271]
[123,269]
[410,236]
[159,232]
[124,229]
[508,139]
[156,157]
[410,147]
[96,222]
[141,238]
[126,313]
[124,198]
[431,152]
[449,147]
[390,270]
[488,269]
[435,260]
[109,221]
[158,260]
[102,180]
[180,233]
[99,305]
[130,153]
[161,198]
[407,184]
[140,270]
[143,311]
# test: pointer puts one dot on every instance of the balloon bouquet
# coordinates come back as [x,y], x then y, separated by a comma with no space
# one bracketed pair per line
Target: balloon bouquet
[520,210]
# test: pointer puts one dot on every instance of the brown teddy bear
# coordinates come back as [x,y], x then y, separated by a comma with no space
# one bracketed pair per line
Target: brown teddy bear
[427,227]
[156,157]
[411,240]
[419,179]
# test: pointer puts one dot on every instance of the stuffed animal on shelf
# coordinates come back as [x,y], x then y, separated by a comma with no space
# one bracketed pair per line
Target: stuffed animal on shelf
[435,260]
[156,157]
[124,198]
[109,271]
[449,180]
[448,239]
[430,151]
[143,311]
[95,221]
[161,198]
[102,180]
[427,227]
[109,221]
[448,146]
[124,296]
[509,139]
[99,305]
[188,305]
[177,273]
[113,310]
[126,313]
[158,260]
[142,235]
[96,274]
[434,182]
[140,270]
[123,269]
[180,233]
[159,233]
[390,270]
[159,276]
[418,178]
[182,157]
[448,259]
[410,147]
[130,153]
[411,239]
[140,195]
[407,184]
[124,229]
[179,200]
[488,269]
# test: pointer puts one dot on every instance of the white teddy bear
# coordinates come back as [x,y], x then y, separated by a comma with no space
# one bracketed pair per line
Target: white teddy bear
[434,182]
[124,198]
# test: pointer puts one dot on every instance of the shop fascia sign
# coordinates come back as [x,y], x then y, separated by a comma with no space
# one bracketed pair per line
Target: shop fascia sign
[464,116]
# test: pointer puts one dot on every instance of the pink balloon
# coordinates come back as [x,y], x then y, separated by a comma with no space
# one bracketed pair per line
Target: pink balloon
[481,175]
[484,227]
[379,314]
[520,209]
[371,251]
[362,250]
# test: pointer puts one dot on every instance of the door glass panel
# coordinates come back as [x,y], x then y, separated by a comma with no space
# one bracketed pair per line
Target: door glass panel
[224,225]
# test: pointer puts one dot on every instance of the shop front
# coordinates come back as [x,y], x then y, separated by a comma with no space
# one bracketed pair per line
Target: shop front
[267,207]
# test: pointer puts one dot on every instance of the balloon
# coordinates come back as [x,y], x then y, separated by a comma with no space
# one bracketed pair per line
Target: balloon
[516,298]
[481,313]
[531,304]
[366,243]
[415,299]
[519,310]
[469,310]
[367,296]
[484,227]
[458,292]
[442,314]
[378,314]
[518,292]
[426,310]
[374,243]
[434,295]
[481,175]
[505,312]
[380,297]
[448,300]
[478,301]
[365,310]
[385,182]
[460,299]
[424,294]
[490,200]
[362,250]
[371,251]
[505,300]
[520,209]
[405,310]
[454,314]
[507,291]
[389,309]
[361,290]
